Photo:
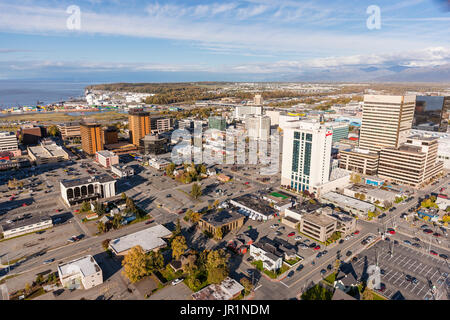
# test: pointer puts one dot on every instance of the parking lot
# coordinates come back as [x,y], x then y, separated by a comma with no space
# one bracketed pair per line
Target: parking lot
[427,269]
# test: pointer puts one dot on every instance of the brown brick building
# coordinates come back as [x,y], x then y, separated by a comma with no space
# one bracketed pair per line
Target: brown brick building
[91,137]
[139,125]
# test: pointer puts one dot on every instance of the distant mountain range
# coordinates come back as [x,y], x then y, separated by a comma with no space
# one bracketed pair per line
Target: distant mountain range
[376,74]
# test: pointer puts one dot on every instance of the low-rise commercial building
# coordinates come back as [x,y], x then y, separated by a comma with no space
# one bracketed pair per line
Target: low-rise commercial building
[253,207]
[150,239]
[226,220]
[122,171]
[318,226]
[159,164]
[371,194]
[77,191]
[349,204]
[8,142]
[47,152]
[228,289]
[159,124]
[82,272]
[106,158]
[24,224]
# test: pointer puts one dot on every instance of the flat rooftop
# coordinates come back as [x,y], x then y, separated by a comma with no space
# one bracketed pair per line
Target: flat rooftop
[255,203]
[318,219]
[220,218]
[106,153]
[86,180]
[148,239]
[347,201]
[226,290]
[86,266]
[24,220]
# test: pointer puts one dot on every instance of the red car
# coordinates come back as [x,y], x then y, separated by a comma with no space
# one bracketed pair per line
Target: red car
[291,234]
[247,182]
[316,248]
[391,231]
[76,211]
[357,232]
[428,231]
[434,253]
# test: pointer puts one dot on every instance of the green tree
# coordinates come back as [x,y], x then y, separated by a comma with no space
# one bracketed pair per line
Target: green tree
[155,261]
[170,168]
[117,220]
[135,264]
[196,191]
[247,284]
[216,266]
[85,206]
[179,247]
[39,279]
[101,227]
[131,207]
[105,244]
[53,131]
[177,228]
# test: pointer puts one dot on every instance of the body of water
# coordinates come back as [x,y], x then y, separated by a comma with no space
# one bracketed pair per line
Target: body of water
[28,92]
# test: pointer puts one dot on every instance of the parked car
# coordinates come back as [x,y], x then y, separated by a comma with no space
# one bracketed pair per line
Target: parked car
[437,234]
[348,253]
[290,274]
[329,267]
[434,253]
[316,248]
[407,242]
[291,234]
[319,255]
[443,256]
[176,281]
[298,238]
[354,259]
[391,231]
[341,241]
[49,261]
[408,277]
[300,267]
[416,239]
[382,287]
[416,245]
[428,231]
[357,232]
[323,271]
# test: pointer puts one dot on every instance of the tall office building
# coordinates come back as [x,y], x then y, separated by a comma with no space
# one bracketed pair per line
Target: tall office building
[413,163]
[91,137]
[160,124]
[431,113]
[219,123]
[340,130]
[258,99]
[306,155]
[258,127]
[8,141]
[139,125]
[69,130]
[386,121]
[110,135]
[243,111]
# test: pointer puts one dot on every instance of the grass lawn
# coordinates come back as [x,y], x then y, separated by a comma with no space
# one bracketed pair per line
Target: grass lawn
[293,261]
[331,278]
[259,265]
[377,296]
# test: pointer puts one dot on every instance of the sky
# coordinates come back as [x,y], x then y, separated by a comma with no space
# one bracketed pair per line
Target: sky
[198,40]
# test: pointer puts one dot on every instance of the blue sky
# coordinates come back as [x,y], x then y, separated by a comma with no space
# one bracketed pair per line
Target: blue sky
[214,40]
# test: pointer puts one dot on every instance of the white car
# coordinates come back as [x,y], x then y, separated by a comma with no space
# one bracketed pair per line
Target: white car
[176,281]
[297,238]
